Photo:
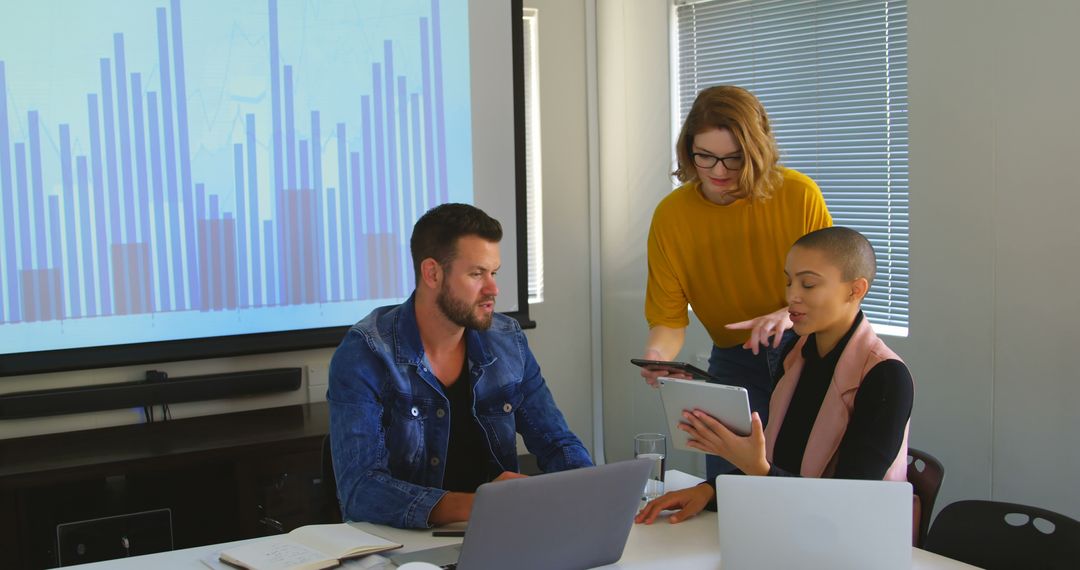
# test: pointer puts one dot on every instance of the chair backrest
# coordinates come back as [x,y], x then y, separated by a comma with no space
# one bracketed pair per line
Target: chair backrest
[925,474]
[329,481]
[996,535]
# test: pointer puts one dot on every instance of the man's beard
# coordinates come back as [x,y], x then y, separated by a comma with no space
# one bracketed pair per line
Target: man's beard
[461,313]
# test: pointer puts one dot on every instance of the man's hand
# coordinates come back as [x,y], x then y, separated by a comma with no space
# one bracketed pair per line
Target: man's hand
[451,508]
[709,435]
[688,501]
[761,328]
[456,507]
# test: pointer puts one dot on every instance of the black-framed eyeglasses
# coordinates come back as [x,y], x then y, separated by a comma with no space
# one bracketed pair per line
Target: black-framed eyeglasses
[703,160]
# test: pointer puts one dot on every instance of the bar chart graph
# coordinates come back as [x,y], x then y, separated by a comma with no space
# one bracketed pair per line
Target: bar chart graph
[229,169]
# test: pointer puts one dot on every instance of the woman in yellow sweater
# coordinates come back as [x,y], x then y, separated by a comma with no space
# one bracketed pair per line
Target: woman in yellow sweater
[718,243]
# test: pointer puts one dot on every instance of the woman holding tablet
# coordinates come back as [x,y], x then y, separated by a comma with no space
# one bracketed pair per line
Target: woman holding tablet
[717,243]
[843,402]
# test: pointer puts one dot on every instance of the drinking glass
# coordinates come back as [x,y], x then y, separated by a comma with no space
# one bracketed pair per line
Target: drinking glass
[652,446]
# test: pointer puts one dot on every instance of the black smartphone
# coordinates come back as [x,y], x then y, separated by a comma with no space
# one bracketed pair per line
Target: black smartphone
[684,367]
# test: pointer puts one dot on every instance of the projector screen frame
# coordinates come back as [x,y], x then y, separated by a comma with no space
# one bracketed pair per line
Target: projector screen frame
[50,361]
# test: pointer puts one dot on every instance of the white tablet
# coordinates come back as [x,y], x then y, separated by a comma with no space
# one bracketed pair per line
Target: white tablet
[728,404]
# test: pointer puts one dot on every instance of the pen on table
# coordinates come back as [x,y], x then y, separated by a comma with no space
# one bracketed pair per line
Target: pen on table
[455,533]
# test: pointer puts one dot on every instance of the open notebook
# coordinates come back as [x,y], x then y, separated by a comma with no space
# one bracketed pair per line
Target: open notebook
[309,547]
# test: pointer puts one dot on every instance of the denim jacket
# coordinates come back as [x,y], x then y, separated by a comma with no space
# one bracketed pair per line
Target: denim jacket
[390,420]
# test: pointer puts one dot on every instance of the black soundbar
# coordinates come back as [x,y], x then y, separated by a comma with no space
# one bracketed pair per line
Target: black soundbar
[35,403]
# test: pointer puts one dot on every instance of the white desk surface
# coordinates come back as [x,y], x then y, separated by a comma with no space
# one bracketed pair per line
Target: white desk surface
[689,544]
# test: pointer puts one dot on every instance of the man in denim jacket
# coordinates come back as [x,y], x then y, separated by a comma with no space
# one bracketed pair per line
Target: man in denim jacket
[425,397]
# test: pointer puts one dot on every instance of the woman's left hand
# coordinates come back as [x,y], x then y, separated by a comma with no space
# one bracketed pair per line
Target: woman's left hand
[688,502]
[709,435]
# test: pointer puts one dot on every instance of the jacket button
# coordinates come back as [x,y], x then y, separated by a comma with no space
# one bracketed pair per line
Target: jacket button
[440,413]
[415,411]
[507,407]
[434,461]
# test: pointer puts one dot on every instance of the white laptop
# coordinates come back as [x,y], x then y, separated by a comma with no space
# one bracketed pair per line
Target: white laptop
[571,519]
[794,522]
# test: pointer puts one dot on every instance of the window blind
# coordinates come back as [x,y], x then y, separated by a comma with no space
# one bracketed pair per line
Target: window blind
[533,194]
[833,77]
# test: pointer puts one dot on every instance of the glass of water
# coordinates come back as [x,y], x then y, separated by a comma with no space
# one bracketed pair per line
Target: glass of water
[652,446]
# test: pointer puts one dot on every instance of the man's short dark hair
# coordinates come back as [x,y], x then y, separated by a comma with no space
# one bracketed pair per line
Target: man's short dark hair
[846,248]
[436,233]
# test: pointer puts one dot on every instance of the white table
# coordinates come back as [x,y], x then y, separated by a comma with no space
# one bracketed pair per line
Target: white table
[689,544]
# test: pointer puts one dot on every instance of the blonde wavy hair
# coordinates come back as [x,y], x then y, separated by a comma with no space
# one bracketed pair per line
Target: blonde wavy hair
[740,112]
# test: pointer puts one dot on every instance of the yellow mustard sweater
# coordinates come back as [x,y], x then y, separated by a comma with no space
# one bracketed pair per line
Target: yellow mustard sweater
[727,262]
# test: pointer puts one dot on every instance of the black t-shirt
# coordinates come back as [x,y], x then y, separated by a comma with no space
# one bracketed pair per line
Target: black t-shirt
[469,462]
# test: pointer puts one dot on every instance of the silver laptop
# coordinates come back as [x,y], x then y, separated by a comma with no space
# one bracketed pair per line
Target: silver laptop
[794,522]
[572,519]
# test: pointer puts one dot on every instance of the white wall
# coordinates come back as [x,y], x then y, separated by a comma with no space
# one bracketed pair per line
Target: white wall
[993,108]
[1036,388]
[561,340]
[635,130]
[994,89]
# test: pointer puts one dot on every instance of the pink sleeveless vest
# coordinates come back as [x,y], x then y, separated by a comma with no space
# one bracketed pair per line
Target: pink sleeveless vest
[863,351]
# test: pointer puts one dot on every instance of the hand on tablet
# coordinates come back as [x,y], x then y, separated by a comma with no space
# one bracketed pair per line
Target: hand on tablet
[763,328]
[688,502]
[747,453]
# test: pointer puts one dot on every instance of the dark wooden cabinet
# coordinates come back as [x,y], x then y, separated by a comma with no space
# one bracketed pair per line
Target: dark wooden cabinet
[222,477]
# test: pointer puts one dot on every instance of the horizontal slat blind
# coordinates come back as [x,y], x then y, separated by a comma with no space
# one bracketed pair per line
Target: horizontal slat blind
[833,77]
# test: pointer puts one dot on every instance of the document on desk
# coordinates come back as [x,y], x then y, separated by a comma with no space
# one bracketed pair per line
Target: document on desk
[310,547]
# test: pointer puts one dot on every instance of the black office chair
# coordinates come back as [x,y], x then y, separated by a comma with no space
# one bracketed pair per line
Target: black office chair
[1004,536]
[329,482]
[925,474]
